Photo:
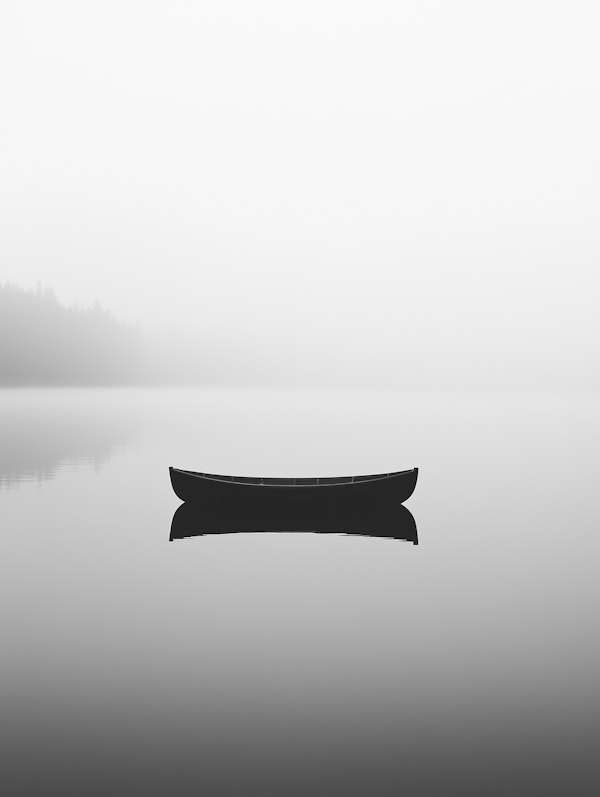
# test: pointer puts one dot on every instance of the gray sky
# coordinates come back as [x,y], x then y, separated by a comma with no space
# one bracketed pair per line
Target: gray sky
[414,179]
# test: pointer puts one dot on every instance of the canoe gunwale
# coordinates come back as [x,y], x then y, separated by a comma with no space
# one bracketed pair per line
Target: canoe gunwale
[296,483]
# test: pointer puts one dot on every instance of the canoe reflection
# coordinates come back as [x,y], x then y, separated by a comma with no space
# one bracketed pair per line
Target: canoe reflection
[391,519]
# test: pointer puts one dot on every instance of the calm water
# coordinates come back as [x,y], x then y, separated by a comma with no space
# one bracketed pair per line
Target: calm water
[299,664]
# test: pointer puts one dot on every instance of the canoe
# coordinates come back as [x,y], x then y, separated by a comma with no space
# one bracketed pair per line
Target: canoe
[209,488]
[388,519]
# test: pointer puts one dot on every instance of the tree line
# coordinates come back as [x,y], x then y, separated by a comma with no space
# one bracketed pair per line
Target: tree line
[42,342]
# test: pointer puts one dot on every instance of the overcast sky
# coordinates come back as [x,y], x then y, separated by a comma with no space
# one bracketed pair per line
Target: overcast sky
[309,176]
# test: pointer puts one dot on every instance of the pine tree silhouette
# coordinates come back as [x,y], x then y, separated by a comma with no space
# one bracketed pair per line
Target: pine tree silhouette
[43,342]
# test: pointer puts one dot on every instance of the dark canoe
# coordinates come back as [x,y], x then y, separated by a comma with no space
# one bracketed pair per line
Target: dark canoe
[209,488]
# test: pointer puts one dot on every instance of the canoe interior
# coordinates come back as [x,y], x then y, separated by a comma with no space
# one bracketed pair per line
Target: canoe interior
[294,482]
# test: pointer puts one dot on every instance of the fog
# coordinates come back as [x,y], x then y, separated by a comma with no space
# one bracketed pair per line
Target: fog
[314,192]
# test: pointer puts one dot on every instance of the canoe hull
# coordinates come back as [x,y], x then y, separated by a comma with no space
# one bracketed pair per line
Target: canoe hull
[197,488]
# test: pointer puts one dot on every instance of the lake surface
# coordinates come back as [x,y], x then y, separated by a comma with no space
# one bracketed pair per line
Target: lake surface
[299,663]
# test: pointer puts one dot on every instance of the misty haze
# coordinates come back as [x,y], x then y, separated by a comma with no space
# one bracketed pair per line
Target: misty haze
[392,193]
[290,240]
[46,343]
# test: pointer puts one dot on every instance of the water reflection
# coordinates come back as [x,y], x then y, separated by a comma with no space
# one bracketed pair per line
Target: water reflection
[44,431]
[388,519]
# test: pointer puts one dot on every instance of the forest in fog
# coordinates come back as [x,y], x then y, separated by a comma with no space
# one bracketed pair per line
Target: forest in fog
[43,342]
